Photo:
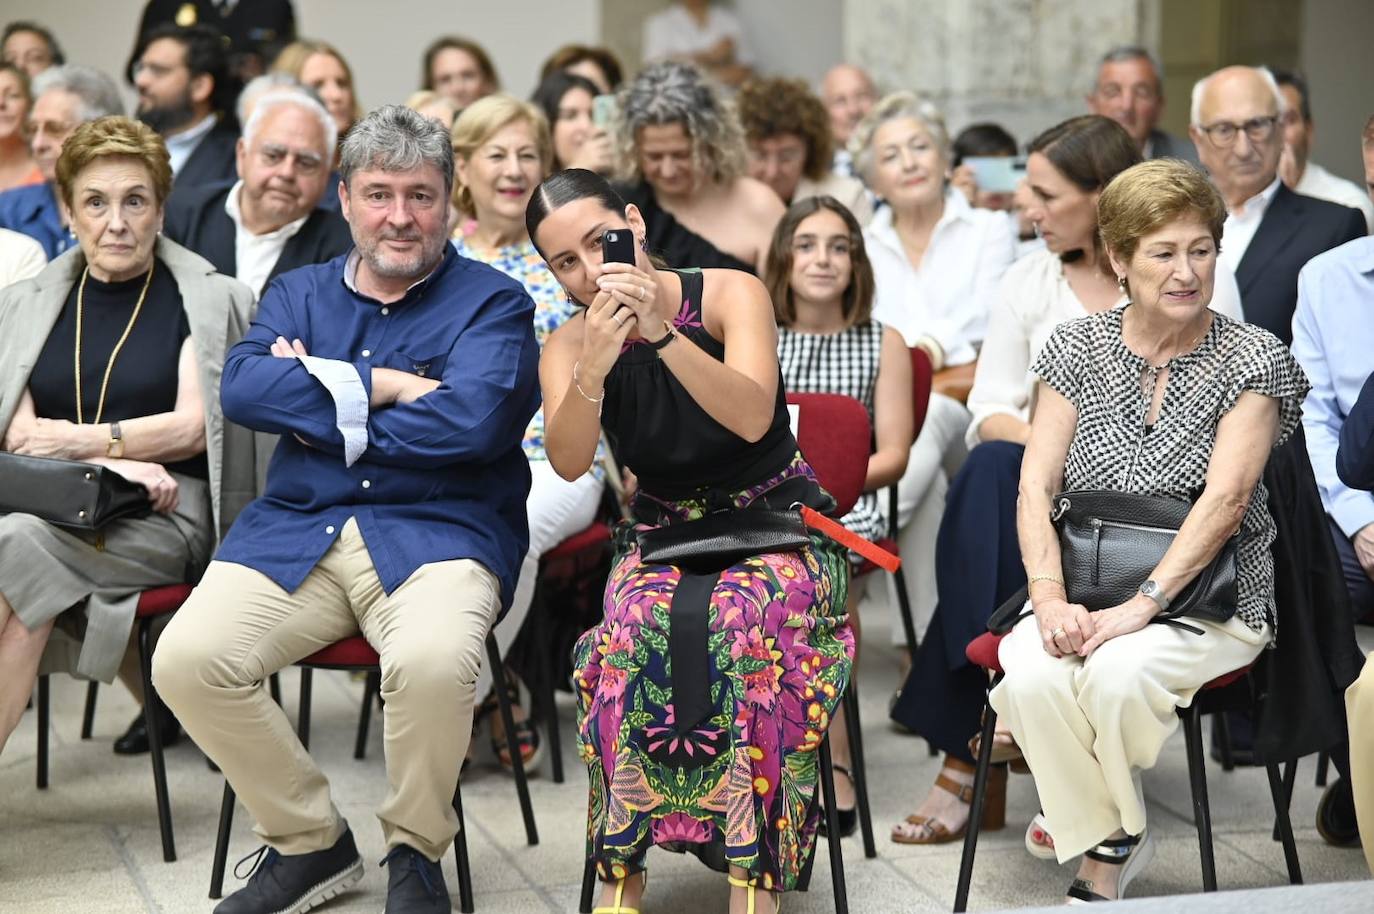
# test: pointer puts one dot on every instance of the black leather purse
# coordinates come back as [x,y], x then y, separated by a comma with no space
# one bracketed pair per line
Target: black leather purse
[68,493]
[1110,542]
[719,540]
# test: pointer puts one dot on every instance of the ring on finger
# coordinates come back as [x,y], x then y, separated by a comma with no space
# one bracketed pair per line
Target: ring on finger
[1057,633]
[641,293]
[618,319]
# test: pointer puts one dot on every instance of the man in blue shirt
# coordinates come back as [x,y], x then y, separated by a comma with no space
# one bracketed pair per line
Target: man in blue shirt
[400,378]
[1333,341]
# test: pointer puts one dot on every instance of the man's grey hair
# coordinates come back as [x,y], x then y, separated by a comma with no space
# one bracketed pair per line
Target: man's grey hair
[97,93]
[1127,52]
[397,138]
[300,97]
[1200,89]
[259,86]
[670,92]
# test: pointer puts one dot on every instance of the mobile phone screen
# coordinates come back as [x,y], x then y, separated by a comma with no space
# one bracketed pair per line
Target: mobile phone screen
[618,246]
[603,111]
[997,174]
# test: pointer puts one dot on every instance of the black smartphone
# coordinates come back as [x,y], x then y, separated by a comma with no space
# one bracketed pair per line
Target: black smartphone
[618,246]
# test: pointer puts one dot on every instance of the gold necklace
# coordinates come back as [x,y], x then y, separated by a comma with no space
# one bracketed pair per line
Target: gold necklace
[114,354]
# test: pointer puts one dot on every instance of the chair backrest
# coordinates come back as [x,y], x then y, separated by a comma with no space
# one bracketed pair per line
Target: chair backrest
[833,432]
[922,375]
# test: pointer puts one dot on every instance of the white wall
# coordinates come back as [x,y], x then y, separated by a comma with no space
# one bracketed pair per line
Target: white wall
[1340,73]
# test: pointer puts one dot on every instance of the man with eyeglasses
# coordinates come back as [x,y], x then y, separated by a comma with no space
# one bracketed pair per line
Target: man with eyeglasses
[1130,90]
[1270,232]
[64,98]
[272,219]
[1299,172]
[186,93]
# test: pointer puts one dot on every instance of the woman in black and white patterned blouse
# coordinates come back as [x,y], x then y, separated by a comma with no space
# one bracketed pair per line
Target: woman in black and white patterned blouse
[1160,397]
[822,288]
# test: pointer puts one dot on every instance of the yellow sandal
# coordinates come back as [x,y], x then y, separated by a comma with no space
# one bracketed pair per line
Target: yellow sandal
[617,907]
[746,884]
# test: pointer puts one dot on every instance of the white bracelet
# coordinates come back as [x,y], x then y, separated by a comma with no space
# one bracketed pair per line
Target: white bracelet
[585,395]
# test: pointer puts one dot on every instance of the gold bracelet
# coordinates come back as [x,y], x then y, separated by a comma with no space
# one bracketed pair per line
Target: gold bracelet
[1044,577]
[586,396]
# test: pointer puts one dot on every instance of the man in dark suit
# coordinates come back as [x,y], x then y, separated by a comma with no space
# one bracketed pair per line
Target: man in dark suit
[272,219]
[185,93]
[256,30]
[1270,231]
[1129,89]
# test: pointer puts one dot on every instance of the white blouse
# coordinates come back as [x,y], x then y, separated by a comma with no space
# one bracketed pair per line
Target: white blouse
[1033,299]
[949,296]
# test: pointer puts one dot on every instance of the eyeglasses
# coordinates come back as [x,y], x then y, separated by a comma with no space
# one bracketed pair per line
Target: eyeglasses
[1224,133]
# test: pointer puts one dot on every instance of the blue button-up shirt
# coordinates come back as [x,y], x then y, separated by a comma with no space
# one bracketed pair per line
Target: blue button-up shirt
[33,211]
[441,478]
[1333,341]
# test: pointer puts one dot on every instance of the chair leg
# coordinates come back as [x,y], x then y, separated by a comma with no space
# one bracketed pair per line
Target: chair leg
[975,813]
[1289,781]
[88,716]
[1223,725]
[226,823]
[522,787]
[303,709]
[150,700]
[1323,764]
[548,695]
[371,686]
[904,606]
[43,724]
[832,829]
[274,687]
[1197,775]
[860,768]
[460,852]
[584,904]
[1278,790]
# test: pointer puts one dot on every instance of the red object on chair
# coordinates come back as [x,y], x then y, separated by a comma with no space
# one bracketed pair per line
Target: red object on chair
[349,652]
[834,435]
[162,600]
[982,651]
[922,377]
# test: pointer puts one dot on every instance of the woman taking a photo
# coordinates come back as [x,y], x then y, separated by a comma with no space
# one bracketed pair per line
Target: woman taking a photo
[1163,398]
[821,284]
[578,141]
[147,324]
[681,369]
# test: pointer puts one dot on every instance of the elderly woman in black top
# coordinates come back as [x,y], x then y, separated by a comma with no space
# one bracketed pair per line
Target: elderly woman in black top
[1160,397]
[111,356]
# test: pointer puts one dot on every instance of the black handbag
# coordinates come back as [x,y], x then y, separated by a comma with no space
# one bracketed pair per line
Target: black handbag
[719,540]
[1110,543]
[68,493]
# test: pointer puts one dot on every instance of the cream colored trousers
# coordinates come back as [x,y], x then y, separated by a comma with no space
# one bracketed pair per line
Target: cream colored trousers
[1359,714]
[1088,727]
[238,627]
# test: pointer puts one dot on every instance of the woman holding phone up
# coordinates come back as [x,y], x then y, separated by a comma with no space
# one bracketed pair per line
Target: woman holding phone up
[681,369]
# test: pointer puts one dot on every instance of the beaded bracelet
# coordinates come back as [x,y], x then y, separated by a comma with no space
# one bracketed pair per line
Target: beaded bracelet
[1040,577]
[585,395]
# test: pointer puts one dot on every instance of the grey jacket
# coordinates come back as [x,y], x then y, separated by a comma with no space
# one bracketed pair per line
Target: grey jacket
[218,309]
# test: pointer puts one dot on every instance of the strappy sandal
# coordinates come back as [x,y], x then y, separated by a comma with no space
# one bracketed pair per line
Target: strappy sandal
[1039,841]
[616,907]
[929,830]
[848,819]
[1131,853]
[1004,750]
[746,884]
[526,736]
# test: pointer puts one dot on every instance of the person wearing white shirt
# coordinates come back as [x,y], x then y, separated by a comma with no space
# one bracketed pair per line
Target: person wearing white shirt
[936,262]
[20,257]
[1298,171]
[701,33]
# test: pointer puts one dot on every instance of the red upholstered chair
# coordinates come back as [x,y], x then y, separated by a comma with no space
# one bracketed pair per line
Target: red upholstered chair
[1232,691]
[355,654]
[152,605]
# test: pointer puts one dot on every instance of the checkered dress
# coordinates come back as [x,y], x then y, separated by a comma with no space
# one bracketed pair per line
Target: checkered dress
[1087,362]
[839,363]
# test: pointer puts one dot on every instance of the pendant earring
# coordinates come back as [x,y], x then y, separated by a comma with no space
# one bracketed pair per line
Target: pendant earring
[1121,283]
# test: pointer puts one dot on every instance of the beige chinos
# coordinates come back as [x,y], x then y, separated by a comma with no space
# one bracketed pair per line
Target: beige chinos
[1359,713]
[238,627]
[1088,727]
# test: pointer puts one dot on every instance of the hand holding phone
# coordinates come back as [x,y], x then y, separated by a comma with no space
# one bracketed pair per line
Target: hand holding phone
[618,246]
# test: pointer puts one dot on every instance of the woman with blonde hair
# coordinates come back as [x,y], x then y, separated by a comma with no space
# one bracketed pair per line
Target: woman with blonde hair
[319,66]
[502,150]
[17,167]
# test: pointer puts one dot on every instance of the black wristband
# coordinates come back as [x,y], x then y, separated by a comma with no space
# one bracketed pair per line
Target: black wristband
[665,339]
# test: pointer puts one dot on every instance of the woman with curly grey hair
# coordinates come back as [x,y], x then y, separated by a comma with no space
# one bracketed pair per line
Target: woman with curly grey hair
[681,150]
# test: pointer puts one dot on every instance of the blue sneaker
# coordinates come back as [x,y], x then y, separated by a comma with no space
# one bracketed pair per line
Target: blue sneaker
[295,883]
[415,884]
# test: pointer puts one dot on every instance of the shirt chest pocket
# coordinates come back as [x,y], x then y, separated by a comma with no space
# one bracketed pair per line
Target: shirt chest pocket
[424,366]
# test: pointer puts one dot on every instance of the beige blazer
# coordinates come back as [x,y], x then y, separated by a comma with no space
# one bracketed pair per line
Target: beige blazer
[218,309]
[849,191]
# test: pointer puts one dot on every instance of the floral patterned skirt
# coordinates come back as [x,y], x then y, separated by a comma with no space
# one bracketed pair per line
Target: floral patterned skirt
[739,788]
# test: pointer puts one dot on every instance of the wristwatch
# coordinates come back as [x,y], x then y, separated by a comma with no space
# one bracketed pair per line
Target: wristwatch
[1152,590]
[116,446]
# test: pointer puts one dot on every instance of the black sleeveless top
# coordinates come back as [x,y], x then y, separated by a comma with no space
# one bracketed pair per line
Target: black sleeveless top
[673,445]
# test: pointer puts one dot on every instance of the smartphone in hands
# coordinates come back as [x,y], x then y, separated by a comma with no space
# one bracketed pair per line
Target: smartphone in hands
[603,111]
[618,246]
[997,174]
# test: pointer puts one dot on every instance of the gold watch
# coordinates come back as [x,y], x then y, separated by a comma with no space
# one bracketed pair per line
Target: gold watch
[116,446]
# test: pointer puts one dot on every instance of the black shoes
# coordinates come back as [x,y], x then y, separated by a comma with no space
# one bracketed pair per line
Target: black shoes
[1336,815]
[415,884]
[296,883]
[135,739]
[847,819]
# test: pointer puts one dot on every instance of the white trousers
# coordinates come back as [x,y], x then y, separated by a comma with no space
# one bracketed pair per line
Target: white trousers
[935,457]
[556,509]
[1088,727]
[1359,713]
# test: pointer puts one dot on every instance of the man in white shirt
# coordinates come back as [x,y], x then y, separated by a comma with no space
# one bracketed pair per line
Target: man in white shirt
[701,33]
[273,218]
[1298,171]
[20,257]
[1270,231]
[848,94]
